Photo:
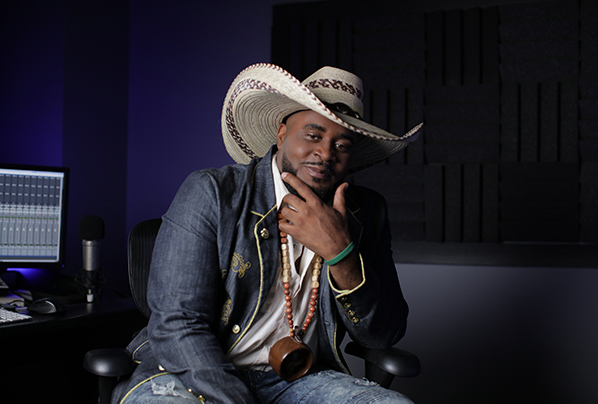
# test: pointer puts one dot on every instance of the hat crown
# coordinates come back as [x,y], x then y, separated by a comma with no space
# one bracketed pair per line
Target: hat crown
[332,85]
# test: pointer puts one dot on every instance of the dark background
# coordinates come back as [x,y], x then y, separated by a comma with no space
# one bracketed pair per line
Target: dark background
[494,208]
[509,157]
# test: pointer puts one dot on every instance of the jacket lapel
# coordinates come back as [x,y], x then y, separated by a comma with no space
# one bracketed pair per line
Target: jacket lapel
[265,232]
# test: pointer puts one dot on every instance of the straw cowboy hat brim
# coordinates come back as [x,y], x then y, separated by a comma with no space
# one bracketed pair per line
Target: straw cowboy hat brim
[262,95]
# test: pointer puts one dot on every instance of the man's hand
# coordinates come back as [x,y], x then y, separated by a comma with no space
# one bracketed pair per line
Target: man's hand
[321,228]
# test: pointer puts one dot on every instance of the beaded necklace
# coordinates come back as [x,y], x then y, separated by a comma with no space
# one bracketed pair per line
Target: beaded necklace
[286,279]
[290,357]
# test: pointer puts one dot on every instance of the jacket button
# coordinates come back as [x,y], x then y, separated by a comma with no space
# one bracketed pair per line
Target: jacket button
[355,320]
[265,233]
[236,329]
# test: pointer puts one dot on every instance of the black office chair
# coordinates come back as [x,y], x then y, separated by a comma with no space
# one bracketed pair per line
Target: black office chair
[382,365]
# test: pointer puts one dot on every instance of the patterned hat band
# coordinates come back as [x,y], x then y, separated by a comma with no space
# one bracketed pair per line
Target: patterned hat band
[343,109]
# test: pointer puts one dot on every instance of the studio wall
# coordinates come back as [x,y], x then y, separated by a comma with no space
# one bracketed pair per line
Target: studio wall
[493,208]
[505,169]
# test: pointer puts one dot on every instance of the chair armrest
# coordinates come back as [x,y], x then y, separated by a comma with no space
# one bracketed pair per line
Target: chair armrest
[395,361]
[112,362]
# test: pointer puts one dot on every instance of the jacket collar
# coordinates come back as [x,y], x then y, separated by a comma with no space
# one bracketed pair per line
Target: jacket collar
[263,184]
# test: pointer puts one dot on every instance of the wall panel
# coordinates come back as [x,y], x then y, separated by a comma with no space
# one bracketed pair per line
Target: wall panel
[509,97]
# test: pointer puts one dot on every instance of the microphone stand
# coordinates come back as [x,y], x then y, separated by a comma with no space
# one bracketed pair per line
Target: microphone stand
[91,281]
[91,230]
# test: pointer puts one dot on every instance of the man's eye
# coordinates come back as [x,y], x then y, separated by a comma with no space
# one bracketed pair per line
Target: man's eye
[343,146]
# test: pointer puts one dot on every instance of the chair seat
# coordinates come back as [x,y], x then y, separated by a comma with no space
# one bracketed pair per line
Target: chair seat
[111,362]
[395,361]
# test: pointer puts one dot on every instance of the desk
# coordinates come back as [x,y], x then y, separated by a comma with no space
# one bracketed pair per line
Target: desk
[41,359]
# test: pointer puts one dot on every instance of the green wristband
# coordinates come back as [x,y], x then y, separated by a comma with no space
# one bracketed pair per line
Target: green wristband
[341,255]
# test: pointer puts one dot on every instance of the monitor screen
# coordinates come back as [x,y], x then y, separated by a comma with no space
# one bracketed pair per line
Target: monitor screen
[33,211]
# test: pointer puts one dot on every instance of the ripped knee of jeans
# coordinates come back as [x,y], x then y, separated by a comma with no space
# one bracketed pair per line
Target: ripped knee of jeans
[167,389]
[365,382]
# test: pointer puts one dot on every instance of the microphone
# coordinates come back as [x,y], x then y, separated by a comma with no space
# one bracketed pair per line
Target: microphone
[91,231]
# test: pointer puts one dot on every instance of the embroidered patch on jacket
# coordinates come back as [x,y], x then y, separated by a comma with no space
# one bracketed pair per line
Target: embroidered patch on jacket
[226,310]
[239,265]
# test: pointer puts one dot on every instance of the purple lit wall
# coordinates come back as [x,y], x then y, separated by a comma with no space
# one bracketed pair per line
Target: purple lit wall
[127,94]
[182,60]
[31,82]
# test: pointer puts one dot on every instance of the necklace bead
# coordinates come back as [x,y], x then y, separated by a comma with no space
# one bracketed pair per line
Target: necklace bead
[286,279]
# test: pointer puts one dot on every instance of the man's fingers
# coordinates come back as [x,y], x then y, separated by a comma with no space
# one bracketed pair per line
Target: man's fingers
[287,211]
[339,198]
[300,186]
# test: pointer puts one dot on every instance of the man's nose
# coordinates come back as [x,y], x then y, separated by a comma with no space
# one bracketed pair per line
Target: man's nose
[326,151]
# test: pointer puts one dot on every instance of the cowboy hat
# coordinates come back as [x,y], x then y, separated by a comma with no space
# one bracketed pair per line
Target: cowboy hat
[262,95]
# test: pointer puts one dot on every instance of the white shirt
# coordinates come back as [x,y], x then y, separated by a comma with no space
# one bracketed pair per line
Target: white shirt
[271,323]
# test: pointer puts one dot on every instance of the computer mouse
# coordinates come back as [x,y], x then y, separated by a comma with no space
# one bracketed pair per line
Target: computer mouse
[46,306]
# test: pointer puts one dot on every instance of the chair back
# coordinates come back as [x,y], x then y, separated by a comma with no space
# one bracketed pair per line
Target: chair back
[141,245]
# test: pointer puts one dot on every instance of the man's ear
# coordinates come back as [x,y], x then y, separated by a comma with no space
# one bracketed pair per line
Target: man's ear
[282,131]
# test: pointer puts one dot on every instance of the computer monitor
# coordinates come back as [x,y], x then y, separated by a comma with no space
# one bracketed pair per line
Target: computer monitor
[33,212]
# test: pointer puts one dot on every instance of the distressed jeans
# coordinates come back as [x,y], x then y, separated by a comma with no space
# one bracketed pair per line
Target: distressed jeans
[319,388]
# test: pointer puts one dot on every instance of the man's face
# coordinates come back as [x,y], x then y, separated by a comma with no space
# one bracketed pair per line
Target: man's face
[316,150]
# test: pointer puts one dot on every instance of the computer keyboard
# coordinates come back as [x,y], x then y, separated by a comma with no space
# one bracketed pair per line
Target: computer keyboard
[7,316]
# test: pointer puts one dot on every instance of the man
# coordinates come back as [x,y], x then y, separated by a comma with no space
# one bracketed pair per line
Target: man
[260,268]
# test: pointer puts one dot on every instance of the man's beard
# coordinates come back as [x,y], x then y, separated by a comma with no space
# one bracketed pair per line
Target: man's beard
[325,195]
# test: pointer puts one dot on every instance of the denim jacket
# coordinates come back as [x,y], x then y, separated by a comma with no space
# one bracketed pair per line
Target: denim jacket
[214,262]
